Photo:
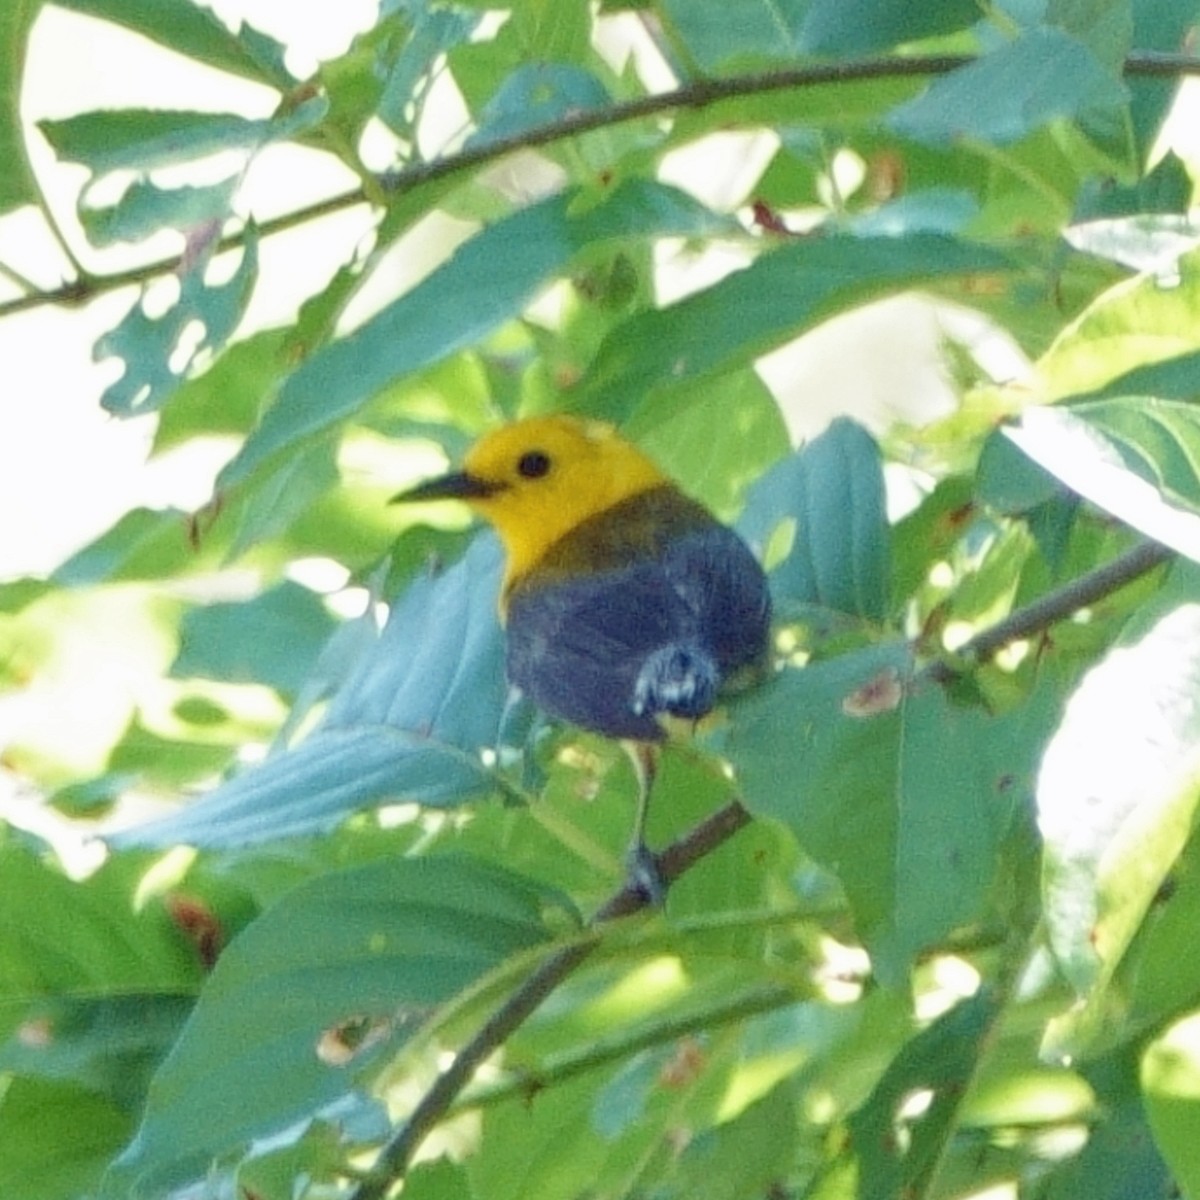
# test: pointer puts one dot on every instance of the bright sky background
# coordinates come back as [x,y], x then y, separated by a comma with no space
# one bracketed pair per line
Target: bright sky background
[67,470]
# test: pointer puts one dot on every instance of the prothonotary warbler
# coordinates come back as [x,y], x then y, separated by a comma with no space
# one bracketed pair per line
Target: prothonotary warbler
[625,602]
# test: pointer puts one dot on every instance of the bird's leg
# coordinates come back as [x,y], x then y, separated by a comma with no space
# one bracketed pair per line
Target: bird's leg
[643,867]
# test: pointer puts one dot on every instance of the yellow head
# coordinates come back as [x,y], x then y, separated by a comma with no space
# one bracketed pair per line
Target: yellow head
[536,480]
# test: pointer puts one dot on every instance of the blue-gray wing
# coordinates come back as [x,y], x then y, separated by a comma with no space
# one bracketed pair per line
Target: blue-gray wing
[612,650]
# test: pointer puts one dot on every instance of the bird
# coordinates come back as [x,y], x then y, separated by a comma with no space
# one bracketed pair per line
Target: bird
[628,608]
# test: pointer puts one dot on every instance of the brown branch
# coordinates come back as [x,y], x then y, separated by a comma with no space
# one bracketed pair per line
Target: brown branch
[1053,607]
[677,858]
[699,94]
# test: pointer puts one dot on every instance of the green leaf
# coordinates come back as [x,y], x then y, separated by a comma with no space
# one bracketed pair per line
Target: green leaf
[17,185]
[489,280]
[846,27]
[742,1157]
[426,35]
[379,946]
[1164,977]
[143,544]
[1120,1160]
[228,396]
[1159,440]
[773,300]
[411,722]
[676,431]
[898,1154]
[56,1139]
[905,797]
[61,937]
[1009,481]
[715,34]
[145,208]
[1042,76]
[109,1046]
[273,639]
[1148,438]
[833,492]
[1132,326]
[1104,27]
[142,139]
[1161,25]
[197,32]
[148,345]
[1116,795]
[1170,1077]
[537,94]
[281,494]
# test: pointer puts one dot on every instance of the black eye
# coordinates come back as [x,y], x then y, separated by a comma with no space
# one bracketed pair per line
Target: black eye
[534,464]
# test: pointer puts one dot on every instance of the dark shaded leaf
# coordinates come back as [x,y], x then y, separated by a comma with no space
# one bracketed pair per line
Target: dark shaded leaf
[376,948]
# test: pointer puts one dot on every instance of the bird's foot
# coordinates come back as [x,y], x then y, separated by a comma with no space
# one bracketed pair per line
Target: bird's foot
[644,875]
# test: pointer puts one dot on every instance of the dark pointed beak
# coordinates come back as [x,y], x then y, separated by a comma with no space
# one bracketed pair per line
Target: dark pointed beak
[458,485]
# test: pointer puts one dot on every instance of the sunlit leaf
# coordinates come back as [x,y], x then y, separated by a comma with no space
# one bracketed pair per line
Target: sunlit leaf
[1134,325]
[1171,1086]
[1116,795]
[411,722]
[1083,456]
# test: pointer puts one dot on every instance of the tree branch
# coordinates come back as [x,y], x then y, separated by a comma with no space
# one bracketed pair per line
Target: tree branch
[699,94]
[1053,607]
[676,859]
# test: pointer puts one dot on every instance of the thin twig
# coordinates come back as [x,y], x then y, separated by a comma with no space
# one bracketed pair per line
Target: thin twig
[677,858]
[699,94]
[1053,607]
